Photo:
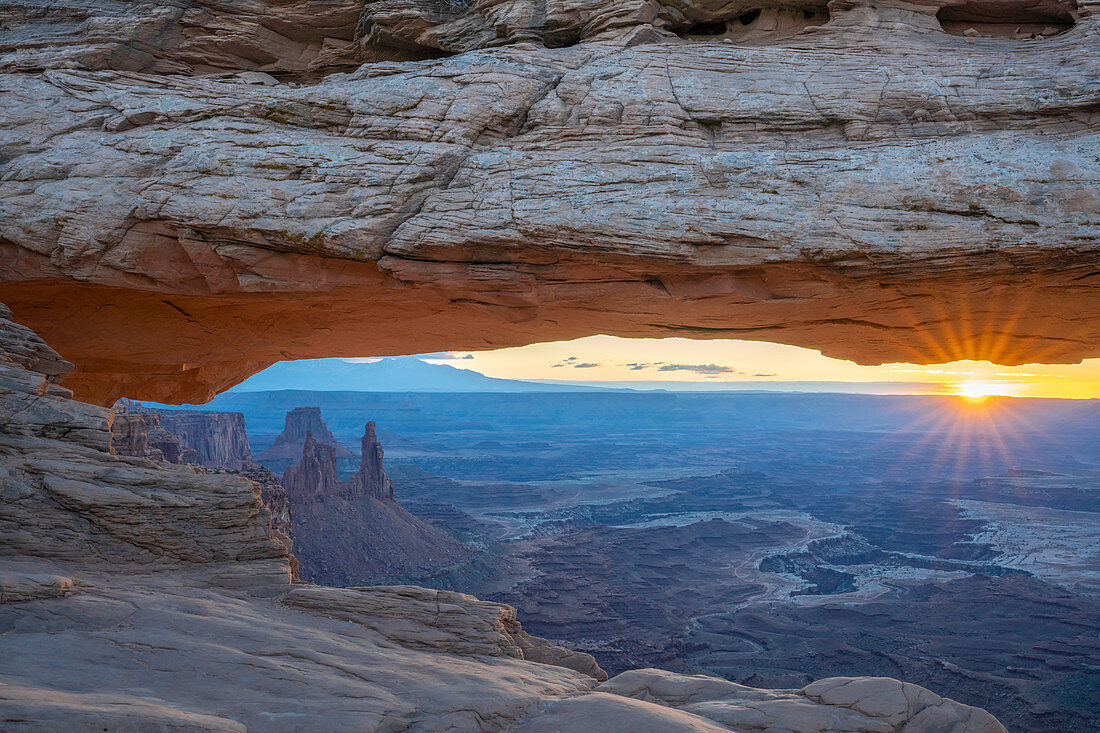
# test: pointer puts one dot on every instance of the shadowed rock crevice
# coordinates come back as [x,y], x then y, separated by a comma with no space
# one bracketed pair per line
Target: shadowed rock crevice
[757,25]
[1020,20]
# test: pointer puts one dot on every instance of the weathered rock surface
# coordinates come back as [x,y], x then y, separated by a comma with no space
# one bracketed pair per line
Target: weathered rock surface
[274,497]
[293,37]
[17,586]
[841,704]
[138,595]
[442,621]
[867,184]
[23,348]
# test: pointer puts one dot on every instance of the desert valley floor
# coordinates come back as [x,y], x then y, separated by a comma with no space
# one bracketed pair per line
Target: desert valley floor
[767,538]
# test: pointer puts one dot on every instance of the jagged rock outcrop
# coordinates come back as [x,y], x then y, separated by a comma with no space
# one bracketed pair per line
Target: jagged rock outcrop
[853,179]
[131,591]
[313,478]
[301,423]
[67,498]
[354,532]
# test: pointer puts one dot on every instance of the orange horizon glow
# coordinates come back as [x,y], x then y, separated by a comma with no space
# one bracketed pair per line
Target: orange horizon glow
[979,391]
[608,359]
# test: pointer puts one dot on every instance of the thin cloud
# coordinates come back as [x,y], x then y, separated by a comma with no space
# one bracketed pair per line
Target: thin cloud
[706,369]
[575,362]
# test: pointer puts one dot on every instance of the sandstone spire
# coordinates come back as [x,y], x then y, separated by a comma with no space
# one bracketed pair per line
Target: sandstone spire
[371,480]
[313,478]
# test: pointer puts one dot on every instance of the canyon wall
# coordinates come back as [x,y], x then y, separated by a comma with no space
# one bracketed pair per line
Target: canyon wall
[215,440]
[201,438]
[130,436]
[218,438]
[210,187]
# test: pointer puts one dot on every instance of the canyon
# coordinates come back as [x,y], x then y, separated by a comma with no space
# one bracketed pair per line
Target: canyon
[193,190]
[139,594]
[768,539]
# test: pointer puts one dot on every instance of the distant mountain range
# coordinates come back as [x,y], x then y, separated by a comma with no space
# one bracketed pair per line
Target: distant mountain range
[394,374]
[412,374]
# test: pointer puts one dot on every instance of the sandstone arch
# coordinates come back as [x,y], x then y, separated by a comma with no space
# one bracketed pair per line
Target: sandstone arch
[873,187]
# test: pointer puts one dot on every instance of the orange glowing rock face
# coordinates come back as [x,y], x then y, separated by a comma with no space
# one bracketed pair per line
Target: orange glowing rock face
[186,348]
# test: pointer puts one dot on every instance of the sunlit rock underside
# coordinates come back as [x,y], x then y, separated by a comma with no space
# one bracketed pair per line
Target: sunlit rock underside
[191,191]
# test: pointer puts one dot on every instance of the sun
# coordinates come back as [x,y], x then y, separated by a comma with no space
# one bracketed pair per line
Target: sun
[978,391]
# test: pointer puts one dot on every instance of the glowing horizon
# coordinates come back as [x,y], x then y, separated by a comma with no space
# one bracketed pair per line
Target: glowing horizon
[725,362]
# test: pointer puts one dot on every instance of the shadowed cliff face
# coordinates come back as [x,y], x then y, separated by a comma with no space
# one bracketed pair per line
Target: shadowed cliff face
[867,184]
[218,438]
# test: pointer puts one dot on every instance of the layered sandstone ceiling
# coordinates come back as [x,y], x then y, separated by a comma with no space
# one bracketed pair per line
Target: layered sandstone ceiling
[192,190]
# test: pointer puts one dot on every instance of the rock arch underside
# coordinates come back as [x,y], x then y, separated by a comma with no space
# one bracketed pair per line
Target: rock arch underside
[193,190]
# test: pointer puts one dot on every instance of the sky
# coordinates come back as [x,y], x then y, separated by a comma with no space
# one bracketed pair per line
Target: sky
[726,363]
